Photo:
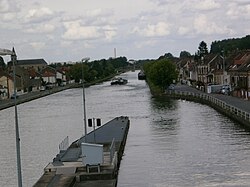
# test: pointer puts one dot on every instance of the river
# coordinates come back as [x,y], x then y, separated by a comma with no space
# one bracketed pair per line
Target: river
[170,142]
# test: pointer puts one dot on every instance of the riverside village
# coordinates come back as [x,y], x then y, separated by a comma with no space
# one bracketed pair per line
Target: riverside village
[219,78]
[224,72]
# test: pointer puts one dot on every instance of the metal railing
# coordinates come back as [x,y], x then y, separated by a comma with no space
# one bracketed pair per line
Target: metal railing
[112,150]
[63,146]
[244,115]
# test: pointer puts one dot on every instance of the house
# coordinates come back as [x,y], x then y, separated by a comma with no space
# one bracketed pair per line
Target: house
[216,70]
[7,85]
[239,73]
[183,66]
[61,76]
[35,80]
[205,70]
[48,76]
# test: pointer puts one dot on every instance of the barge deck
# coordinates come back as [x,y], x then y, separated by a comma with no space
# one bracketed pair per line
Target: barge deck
[70,168]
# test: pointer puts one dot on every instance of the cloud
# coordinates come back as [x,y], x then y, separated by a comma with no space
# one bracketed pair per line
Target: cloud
[154,30]
[4,6]
[110,32]
[74,31]
[39,15]
[8,6]
[203,25]
[41,28]
[183,30]
[238,10]
[141,44]
[38,45]
[7,17]
[99,12]
[145,23]
[206,5]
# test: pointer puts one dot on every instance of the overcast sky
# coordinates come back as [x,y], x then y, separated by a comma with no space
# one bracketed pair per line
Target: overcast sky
[69,30]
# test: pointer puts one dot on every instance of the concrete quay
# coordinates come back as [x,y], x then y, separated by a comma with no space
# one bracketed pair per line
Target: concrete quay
[69,168]
[235,108]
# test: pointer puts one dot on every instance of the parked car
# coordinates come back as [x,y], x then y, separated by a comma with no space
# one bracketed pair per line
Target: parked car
[225,91]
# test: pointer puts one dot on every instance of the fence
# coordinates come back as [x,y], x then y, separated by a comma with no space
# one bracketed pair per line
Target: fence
[231,111]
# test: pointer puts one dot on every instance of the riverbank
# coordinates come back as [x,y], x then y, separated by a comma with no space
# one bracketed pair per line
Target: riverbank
[33,95]
[235,108]
[38,94]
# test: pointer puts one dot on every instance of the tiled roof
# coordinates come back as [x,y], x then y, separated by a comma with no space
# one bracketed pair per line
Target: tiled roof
[48,74]
[33,73]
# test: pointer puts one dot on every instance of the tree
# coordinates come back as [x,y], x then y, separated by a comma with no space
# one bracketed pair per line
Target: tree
[202,49]
[230,45]
[162,73]
[184,54]
[76,71]
[2,64]
[166,55]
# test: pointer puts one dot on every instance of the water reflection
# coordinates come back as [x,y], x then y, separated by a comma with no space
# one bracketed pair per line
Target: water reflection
[170,142]
[190,145]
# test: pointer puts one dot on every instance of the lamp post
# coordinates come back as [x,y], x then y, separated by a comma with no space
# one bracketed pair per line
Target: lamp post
[13,59]
[83,99]
[223,66]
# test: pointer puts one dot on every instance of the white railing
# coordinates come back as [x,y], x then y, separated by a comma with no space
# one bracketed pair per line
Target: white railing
[223,105]
[63,146]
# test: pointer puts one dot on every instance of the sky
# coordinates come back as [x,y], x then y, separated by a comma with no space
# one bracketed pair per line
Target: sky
[70,30]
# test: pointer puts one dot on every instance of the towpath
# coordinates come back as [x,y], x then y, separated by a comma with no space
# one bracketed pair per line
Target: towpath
[230,100]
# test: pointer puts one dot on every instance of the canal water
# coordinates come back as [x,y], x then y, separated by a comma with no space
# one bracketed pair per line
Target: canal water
[170,142]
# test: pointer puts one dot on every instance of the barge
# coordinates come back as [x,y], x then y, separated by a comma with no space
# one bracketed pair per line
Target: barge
[92,160]
[119,81]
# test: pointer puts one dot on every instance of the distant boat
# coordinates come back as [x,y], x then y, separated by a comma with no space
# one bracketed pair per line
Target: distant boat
[118,81]
[141,75]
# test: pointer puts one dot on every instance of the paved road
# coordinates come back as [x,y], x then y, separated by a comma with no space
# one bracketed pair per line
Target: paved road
[230,100]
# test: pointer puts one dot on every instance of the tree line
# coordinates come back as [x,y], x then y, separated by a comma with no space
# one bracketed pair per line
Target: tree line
[230,45]
[97,69]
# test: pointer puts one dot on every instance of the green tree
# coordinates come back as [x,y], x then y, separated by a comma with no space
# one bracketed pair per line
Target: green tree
[184,54]
[2,64]
[167,56]
[161,73]
[230,45]
[202,49]
[76,72]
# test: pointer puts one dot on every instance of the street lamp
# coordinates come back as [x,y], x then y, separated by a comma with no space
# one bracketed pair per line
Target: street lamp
[223,66]
[83,98]
[13,59]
